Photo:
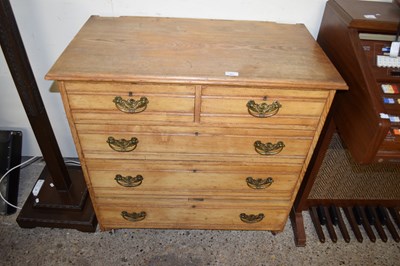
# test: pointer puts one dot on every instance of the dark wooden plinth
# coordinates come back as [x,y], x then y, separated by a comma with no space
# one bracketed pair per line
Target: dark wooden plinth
[55,209]
[73,199]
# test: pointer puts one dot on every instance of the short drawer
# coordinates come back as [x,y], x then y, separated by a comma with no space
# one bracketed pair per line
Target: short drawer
[110,102]
[111,177]
[262,106]
[194,141]
[170,213]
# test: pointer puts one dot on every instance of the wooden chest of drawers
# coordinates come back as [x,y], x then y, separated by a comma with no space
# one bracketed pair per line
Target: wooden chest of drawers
[185,123]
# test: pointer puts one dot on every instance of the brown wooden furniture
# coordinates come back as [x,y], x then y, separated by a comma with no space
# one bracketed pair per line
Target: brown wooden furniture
[365,30]
[65,204]
[191,123]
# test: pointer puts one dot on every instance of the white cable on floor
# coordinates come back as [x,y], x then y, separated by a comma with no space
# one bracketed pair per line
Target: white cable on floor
[12,169]
[72,162]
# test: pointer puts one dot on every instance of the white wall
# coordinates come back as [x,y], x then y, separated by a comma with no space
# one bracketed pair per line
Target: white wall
[47,26]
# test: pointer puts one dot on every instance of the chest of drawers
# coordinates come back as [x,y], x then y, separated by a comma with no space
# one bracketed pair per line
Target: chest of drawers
[191,123]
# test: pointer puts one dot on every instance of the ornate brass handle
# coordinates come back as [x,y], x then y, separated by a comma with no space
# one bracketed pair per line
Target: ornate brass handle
[251,218]
[129,181]
[263,110]
[131,106]
[259,183]
[133,216]
[268,148]
[122,145]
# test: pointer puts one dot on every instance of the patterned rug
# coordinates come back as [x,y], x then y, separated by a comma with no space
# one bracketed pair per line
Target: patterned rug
[341,178]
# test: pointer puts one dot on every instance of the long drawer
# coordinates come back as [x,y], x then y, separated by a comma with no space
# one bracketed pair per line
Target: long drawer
[183,213]
[140,142]
[122,177]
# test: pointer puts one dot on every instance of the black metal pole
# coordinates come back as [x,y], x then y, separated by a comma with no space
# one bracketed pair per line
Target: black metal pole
[18,63]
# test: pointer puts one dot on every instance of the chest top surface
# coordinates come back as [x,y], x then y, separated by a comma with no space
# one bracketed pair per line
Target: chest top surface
[137,49]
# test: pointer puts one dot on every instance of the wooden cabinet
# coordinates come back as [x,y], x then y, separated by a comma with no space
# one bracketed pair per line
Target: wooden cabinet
[191,123]
[366,123]
[367,117]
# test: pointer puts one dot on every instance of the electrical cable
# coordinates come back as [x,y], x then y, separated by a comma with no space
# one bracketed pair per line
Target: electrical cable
[12,169]
[72,162]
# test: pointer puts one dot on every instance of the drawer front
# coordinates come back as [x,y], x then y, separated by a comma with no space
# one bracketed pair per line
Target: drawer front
[105,102]
[191,214]
[262,106]
[278,186]
[122,177]
[192,141]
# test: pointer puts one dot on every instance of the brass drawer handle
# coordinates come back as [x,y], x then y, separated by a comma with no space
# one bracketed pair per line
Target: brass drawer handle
[129,181]
[259,183]
[133,216]
[131,106]
[122,145]
[263,110]
[268,148]
[251,218]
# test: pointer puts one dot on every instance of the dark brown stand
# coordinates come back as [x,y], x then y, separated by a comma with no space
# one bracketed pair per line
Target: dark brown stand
[60,210]
[63,201]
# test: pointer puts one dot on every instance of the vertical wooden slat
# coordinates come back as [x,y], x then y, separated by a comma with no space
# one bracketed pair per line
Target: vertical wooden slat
[197,104]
